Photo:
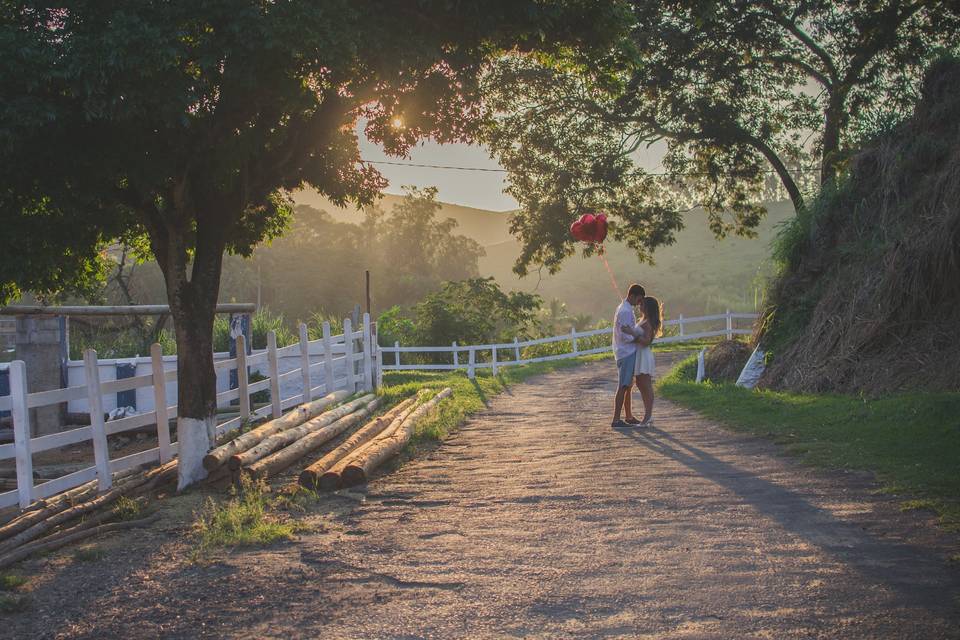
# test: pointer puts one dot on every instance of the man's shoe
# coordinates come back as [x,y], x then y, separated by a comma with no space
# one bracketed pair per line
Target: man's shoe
[620,424]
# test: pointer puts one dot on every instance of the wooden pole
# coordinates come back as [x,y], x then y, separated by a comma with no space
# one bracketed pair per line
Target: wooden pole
[348,354]
[367,354]
[310,477]
[367,278]
[21,432]
[305,363]
[219,456]
[160,403]
[101,452]
[281,439]
[329,380]
[273,370]
[361,466]
[243,378]
[283,458]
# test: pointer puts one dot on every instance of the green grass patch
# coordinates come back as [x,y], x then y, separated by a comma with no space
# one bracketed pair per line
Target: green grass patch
[246,518]
[128,509]
[11,582]
[911,441]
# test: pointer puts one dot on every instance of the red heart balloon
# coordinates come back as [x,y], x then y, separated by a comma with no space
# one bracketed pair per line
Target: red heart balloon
[577,231]
[600,228]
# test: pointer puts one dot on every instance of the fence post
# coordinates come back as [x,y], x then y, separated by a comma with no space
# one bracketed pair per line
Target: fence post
[379,367]
[516,349]
[101,452]
[367,355]
[305,363]
[494,361]
[160,402]
[396,354]
[573,339]
[729,325]
[21,432]
[348,349]
[329,382]
[273,370]
[243,378]
[456,359]
[680,318]
[471,369]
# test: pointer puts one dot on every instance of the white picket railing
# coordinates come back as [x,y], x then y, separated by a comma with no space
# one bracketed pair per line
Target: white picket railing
[346,361]
[495,362]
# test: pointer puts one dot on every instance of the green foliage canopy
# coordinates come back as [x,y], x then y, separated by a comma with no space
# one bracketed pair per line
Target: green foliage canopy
[745,95]
[474,311]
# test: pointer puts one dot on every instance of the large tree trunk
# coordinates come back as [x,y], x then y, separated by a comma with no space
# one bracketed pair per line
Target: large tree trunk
[193,304]
[834,122]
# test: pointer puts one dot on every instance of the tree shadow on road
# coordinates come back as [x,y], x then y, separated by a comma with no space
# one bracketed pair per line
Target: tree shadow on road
[917,576]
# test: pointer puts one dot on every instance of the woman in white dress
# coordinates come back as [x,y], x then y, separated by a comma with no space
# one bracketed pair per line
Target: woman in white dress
[649,327]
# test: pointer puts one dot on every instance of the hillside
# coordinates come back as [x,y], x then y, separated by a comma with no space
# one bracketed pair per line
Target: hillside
[699,274]
[869,297]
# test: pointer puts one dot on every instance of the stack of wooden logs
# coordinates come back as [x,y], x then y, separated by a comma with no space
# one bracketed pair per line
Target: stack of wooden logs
[355,459]
[264,451]
[77,514]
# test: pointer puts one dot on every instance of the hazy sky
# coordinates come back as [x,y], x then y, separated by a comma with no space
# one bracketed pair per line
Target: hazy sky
[480,189]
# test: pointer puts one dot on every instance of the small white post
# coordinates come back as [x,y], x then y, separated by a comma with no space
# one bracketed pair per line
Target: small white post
[273,370]
[516,349]
[396,354]
[348,348]
[681,325]
[305,363]
[329,383]
[494,361]
[456,359]
[160,403]
[729,325]
[471,364]
[21,432]
[379,367]
[243,379]
[101,453]
[573,339]
[367,355]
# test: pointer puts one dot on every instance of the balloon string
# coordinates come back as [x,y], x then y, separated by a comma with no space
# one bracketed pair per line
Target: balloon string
[613,280]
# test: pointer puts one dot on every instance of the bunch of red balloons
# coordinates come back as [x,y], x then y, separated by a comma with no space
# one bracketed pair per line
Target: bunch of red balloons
[590,228]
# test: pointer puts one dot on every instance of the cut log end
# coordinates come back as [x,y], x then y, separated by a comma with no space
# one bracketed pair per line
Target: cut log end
[330,481]
[309,480]
[352,476]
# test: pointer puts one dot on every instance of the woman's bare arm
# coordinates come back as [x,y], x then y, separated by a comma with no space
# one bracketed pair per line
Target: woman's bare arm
[646,339]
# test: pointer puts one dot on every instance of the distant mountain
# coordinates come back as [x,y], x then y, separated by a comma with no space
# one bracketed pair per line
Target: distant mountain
[698,274]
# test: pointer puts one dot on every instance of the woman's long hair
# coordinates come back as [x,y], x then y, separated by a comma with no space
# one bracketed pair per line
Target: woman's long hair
[653,314]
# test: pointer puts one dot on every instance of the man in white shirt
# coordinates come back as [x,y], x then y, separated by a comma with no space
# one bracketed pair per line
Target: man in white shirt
[625,352]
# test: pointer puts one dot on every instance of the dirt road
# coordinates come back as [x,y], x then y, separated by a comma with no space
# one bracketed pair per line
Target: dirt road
[538,520]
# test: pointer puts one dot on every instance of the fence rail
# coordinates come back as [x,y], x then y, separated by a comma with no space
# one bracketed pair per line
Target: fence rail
[477,354]
[332,362]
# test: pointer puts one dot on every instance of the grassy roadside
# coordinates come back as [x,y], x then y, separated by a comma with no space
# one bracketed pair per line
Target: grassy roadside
[911,441]
[469,396]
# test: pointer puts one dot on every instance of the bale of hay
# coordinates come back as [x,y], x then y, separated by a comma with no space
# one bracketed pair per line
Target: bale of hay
[724,361]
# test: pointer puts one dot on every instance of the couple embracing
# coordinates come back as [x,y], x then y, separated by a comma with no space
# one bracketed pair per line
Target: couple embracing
[632,338]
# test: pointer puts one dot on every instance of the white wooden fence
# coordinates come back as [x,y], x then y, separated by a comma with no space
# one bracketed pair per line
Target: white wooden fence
[476,355]
[346,361]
